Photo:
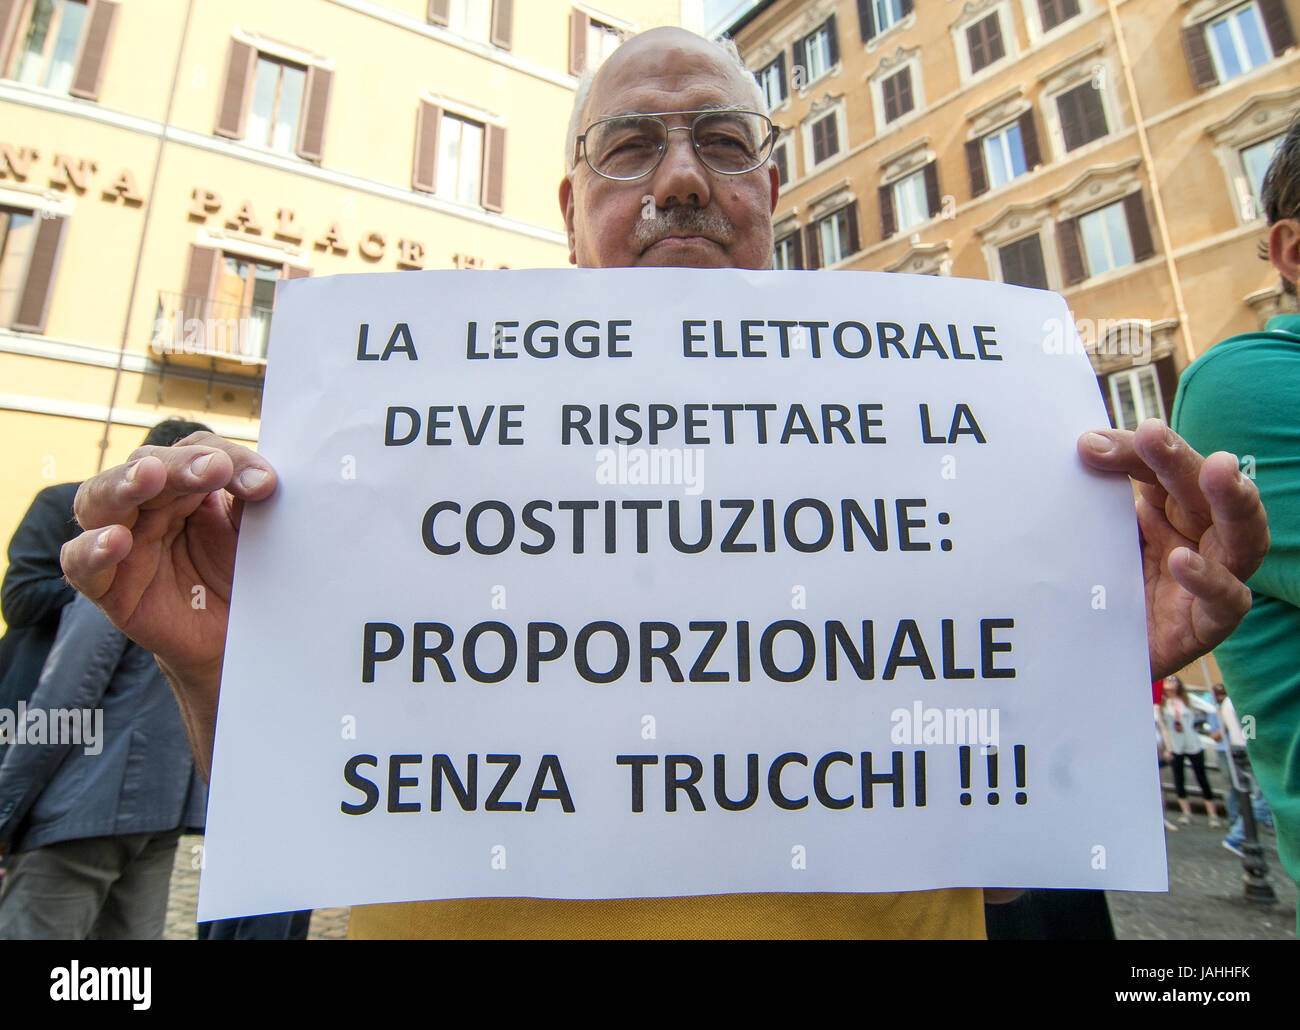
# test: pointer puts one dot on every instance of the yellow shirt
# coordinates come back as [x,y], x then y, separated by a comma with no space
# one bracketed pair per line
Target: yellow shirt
[913,915]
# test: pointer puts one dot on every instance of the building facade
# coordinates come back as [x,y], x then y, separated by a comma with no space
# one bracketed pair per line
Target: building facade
[163,163]
[1111,150]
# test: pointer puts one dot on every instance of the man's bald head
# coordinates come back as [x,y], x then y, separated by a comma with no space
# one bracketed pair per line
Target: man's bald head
[664,41]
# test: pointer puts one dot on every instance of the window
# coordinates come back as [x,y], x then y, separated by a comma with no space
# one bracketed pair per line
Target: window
[459,158]
[1004,155]
[1104,239]
[1135,396]
[1057,12]
[590,40]
[834,237]
[1255,161]
[772,81]
[470,17]
[984,39]
[896,92]
[277,104]
[490,20]
[877,16]
[817,52]
[1233,42]
[1083,119]
[1237,42]
[789,252]
[245,290]
[273,102]
[1022,263]
[63,46]
[910,204]
[30,242]
[825,138]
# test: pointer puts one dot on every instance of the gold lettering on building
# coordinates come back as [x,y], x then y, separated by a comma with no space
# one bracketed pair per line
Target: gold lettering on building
[332,240]
[372,245]
[124,186]
[67,174]
[284,227]
[206,202]
[244,219]
[18,160]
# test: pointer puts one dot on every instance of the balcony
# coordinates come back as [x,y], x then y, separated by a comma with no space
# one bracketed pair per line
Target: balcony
[210,334]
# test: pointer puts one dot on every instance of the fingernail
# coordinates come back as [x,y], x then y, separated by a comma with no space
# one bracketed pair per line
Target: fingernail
[1194,561]
[199,464]
[1100,444]
[251,479]
[129,478]
[101,541]
[1171,438]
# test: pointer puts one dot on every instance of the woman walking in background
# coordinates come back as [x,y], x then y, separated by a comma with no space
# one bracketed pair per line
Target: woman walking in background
[1183,742]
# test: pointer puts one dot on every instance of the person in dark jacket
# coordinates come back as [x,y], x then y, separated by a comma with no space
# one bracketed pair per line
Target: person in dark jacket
[33,594]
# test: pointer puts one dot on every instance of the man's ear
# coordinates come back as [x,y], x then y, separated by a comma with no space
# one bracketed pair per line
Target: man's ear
[1284,248]
[566,208]
[776,183]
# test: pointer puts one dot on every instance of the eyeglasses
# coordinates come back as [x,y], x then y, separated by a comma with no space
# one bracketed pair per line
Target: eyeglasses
[630,146]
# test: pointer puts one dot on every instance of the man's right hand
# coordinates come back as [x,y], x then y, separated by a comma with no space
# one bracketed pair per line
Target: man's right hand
[158,551]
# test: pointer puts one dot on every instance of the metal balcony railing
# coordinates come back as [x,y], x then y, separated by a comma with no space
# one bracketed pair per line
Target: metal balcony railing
[189,324]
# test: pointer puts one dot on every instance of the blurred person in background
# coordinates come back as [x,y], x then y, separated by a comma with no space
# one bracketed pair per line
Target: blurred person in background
[1178,725]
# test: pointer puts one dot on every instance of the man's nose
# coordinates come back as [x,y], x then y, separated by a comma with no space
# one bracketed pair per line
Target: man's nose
[681,178]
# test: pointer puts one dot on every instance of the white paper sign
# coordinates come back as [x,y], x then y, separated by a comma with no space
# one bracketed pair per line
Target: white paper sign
[643,582]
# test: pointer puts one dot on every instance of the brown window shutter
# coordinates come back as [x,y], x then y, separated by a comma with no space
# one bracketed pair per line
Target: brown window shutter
[1070,108]
[779,156]
[798,249]
[503,19]
[1139,230]
[9,11]
[200,276]
[95,39]
[979,180]
[907,7]
[316,102]
[889,94]
[833,38]
[240,67]
[34,303]
[1198,57]
[855,241]
[440,12]
[905,102]
[1009,258]
[1067,242]
[424,175]
[813,249]
[888,220]
[976,47]
[1094,124]
[932,198]
[494,168]
[997,49]
[1277,24]
[578,22]
[866,19]
[296,271]
[1029,141]
[800,53]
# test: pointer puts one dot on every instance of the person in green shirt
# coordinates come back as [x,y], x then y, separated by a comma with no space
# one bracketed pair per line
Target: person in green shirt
[1240,396]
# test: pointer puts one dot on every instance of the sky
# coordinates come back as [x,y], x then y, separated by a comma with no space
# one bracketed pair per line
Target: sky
[718,14]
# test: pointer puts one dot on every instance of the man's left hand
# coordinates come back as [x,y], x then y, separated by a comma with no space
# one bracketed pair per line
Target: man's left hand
[1204,533]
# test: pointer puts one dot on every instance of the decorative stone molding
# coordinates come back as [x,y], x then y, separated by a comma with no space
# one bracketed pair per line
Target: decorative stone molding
[1001,109]
[925,259]
[890,63]
[977,10]
[1131,342]
[819,107]
[899,26]
[1097,187]
[901,163]
[1271,301]
[1068,72]
[831,199]
[1259,118]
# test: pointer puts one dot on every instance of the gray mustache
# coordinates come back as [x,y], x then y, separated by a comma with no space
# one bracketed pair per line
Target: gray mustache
[678,220]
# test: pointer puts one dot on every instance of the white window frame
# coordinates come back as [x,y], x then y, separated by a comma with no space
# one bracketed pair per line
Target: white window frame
[1034,21]
[786,143]
[1253,189]
[885,69]
[822,32]
[1239,43]
[918,176]
[969,17]
[1097,212]
[877,6]
[1134,376]
[458,22]
[773,67]
[1258,119]
[1013,224]
[833,220]
[1088,66]
[1002,131]
[788,242]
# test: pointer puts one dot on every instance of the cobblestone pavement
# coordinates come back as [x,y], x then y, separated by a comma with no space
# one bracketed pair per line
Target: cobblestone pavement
[1205,899]
[327,924]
